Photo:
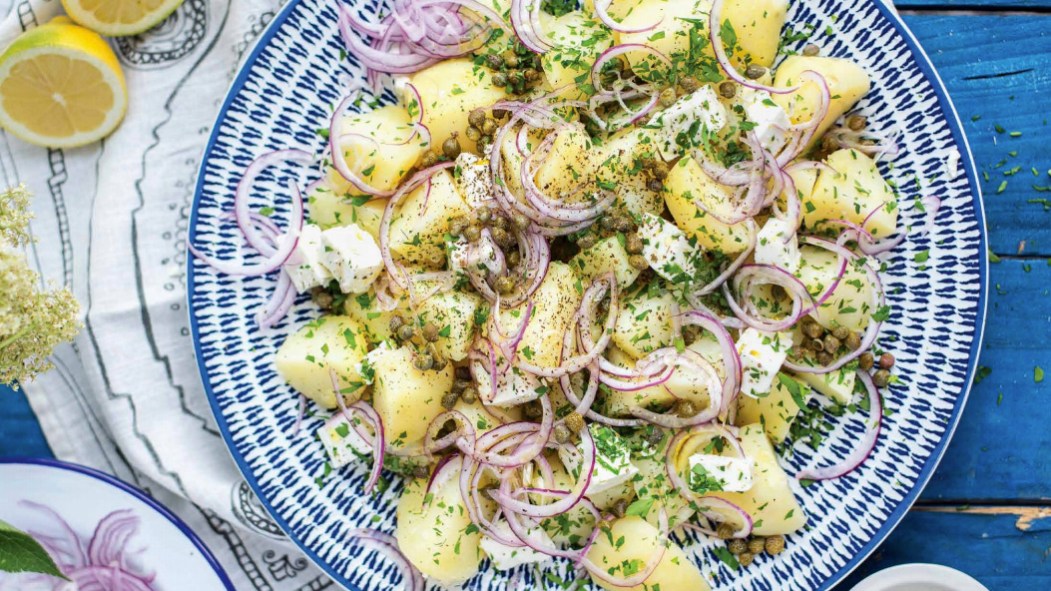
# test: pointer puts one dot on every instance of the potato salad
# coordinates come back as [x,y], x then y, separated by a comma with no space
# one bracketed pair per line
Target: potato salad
[579,284]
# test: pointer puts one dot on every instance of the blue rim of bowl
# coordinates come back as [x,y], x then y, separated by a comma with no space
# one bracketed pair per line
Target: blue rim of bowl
[893,520]
[138,494]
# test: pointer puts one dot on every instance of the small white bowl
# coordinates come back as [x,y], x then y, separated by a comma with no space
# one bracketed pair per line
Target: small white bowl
[919,577]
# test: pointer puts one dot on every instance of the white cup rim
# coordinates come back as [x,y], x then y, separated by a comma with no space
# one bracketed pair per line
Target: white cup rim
[919,574]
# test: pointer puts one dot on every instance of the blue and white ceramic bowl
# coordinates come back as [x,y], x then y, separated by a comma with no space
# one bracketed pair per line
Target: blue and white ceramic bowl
[285,92]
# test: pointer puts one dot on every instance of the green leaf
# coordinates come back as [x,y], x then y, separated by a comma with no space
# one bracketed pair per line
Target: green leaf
[20,553]
[1038,374]
[640,507]
[796,389]
[728,559]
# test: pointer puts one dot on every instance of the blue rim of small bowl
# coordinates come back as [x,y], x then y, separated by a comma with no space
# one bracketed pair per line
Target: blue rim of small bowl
[921,59]
[139,495]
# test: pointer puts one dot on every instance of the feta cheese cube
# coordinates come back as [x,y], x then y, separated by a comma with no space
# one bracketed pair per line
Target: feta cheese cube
[683,124]
[613,466]
[473,180]
[778,245]
[720,473]
[771,121]
[762,355]
[667,249]
[514,387]
[352,256]
[342,443]
[304,267]
[508,557]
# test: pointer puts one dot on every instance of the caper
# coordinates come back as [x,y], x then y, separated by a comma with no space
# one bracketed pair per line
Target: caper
[816,345]
[322,298]
[725,531]
[881,378]
[470,395]
[825,358]
[756,545]
[727,90]
[451,147]
[489,127]
[811,50]
[587,241]
[737,546]
[634,244]
[857,122]
[841,333]
[423,362]
[531,75]
[520,220]
[668,97]
[500,79]
[866,361]
[620,508]
[430,332]
[886,361]
[562,433]
[500,221]
[853,341]
[533,410]
[396,322]
[745,559]
[476,118]
[511,61]
[689,83]
[775,544]
[494,61]
[484,215]
[463,373]
[832,344]
[473,134]
[685,408]
[829,143]
[755,72]
[439,362]
[449,400]
[406,332]
[654,435]
[505,284]
[502,237]
[472,233]
[638,261]
[514,259]
[623,224]
[421,471]
[574,422]
[812,329]
[429,159]
[655,185]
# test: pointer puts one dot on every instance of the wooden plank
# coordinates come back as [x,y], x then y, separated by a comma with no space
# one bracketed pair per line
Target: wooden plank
[20,434]
[985,5]
[1001,449]
[986,545]
[994,68]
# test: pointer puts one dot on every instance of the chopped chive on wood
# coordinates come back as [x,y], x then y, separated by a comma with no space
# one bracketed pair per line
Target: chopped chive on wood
[993,258]
[999,398]
[975,117]
[999,128]
[1038,374]
[1001,188]
[1016,134]
[982,373]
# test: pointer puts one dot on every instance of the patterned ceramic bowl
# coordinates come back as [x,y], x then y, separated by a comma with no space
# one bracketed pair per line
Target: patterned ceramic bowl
[284,93]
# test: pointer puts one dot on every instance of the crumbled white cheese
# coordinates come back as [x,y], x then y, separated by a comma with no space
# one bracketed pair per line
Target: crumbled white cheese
[762,355]
[473,180]
[304,266]
[770,120]
[778,245]
[506,557]
[352,256]
[342,443]
[514,387]
[682,125]
[613,466]
[732,474]
[667,249]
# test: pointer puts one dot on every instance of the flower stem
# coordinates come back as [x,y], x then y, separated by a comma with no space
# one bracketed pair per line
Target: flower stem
[11,339]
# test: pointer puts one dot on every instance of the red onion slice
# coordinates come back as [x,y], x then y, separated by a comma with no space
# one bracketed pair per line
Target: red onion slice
[602,12]
[388,546]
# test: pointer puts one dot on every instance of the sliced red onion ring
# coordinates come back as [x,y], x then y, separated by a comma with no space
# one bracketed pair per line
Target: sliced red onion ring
[864,446]
[396,273]
[511,504]
[755,275]
[602,12]
[386,544]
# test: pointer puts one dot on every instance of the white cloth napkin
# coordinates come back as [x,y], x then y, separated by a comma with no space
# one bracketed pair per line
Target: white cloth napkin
[111,221]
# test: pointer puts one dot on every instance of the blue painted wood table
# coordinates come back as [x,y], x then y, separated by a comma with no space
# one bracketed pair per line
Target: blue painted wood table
[988,509]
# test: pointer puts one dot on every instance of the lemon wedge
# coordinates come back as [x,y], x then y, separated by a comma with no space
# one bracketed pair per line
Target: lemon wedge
[61,86]
[117,18]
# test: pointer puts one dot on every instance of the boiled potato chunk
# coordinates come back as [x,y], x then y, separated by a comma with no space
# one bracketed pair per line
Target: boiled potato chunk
[607,256]
[847,82]
[434,536]
[417,232]
[513,159]
[852,192]
[577,42]
[837,385]
[450,90]
[685,384]
[757,25]
[329,344]
[774,412]
[406,398]
[375,322]
[569,167]
[453,313]
[555,303]
[770,502]
[631,540]
[384,161]
[621,159]
[333,207]
[850,305]
[644,324]
[686,184]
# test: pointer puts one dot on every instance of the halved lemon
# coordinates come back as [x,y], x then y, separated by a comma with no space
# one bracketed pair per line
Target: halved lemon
[61,86]
[117,18]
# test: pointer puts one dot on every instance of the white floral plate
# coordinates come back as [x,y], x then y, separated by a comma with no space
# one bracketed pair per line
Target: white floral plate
[285,92]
